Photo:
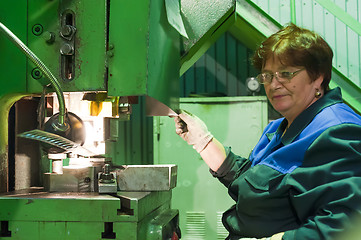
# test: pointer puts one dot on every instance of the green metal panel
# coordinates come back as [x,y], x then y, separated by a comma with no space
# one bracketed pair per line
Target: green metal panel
[200,198]
[33,21]
[73,230]
[41,20]
[163,72]
[12,61]
[75,208]
[140,34]
[90,42]
[128,34]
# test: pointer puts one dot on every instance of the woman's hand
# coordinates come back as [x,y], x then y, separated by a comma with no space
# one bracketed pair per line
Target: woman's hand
[193,130]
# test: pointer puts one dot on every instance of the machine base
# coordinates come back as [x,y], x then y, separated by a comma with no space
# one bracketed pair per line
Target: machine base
[124,215]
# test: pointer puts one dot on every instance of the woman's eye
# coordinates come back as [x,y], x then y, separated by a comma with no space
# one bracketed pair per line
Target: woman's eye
[285,74]
[267,75]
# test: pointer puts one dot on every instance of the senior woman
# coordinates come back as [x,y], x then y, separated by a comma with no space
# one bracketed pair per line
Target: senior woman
[303,177]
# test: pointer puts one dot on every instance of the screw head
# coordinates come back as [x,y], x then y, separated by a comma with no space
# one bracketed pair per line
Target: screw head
[36,73]
[49,37]
[66,30]
[37,29]
[66,49]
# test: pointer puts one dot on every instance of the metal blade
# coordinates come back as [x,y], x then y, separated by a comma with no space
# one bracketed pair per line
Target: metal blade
[57,141]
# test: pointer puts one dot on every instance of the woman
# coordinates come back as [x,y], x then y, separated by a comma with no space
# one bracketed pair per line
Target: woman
[303,177]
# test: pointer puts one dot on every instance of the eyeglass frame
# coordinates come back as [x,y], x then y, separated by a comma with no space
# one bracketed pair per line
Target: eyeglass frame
[276,75]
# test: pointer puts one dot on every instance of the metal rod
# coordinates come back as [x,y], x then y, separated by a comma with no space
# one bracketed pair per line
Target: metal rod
[55,83]
[293,11]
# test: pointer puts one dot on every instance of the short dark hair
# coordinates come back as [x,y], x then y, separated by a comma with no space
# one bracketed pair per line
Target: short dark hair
[295,46]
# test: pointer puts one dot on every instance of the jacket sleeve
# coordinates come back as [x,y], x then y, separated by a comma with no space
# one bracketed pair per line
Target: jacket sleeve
[231,168]
[327,186]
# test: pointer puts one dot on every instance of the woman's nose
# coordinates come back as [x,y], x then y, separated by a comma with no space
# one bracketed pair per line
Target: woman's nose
[274,82]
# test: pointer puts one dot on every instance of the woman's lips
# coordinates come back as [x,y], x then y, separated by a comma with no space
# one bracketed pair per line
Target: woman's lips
[277,96]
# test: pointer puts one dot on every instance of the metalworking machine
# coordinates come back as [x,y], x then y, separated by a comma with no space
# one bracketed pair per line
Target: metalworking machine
[81,66]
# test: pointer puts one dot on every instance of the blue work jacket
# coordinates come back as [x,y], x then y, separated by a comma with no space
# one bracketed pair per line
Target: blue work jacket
[306,183]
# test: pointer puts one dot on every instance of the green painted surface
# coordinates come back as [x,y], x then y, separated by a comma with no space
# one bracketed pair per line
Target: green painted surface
[89,42]
[129,36]
[133,215]
[340,14]
[12,61]
[145,57]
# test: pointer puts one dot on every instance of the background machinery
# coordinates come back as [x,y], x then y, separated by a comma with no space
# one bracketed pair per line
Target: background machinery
[70,72]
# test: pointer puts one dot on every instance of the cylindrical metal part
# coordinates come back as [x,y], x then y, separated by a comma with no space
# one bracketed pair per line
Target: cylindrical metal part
[57,166]
[57,162]
[66,49]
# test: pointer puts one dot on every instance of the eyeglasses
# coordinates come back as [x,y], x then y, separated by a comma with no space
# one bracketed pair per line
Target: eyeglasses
[282,76]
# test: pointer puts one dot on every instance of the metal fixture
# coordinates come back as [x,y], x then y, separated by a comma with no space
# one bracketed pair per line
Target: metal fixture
[107,180]
[57,162]
[67,49]
[49,37]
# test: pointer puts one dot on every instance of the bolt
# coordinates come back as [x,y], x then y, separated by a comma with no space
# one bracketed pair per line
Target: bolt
[107,168]
[67,49]
[49,37]
[106,176]
[110,54]
[66,30]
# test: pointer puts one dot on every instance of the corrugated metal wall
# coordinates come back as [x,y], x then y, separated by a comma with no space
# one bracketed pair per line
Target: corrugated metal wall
[345,43]
[222,70]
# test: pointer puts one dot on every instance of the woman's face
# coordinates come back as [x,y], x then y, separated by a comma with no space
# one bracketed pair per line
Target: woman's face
[293,97]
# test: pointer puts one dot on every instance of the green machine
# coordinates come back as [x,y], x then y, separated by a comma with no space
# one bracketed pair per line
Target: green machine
[62,63]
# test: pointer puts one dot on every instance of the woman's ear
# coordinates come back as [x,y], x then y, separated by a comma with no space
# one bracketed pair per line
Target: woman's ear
[318,82]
